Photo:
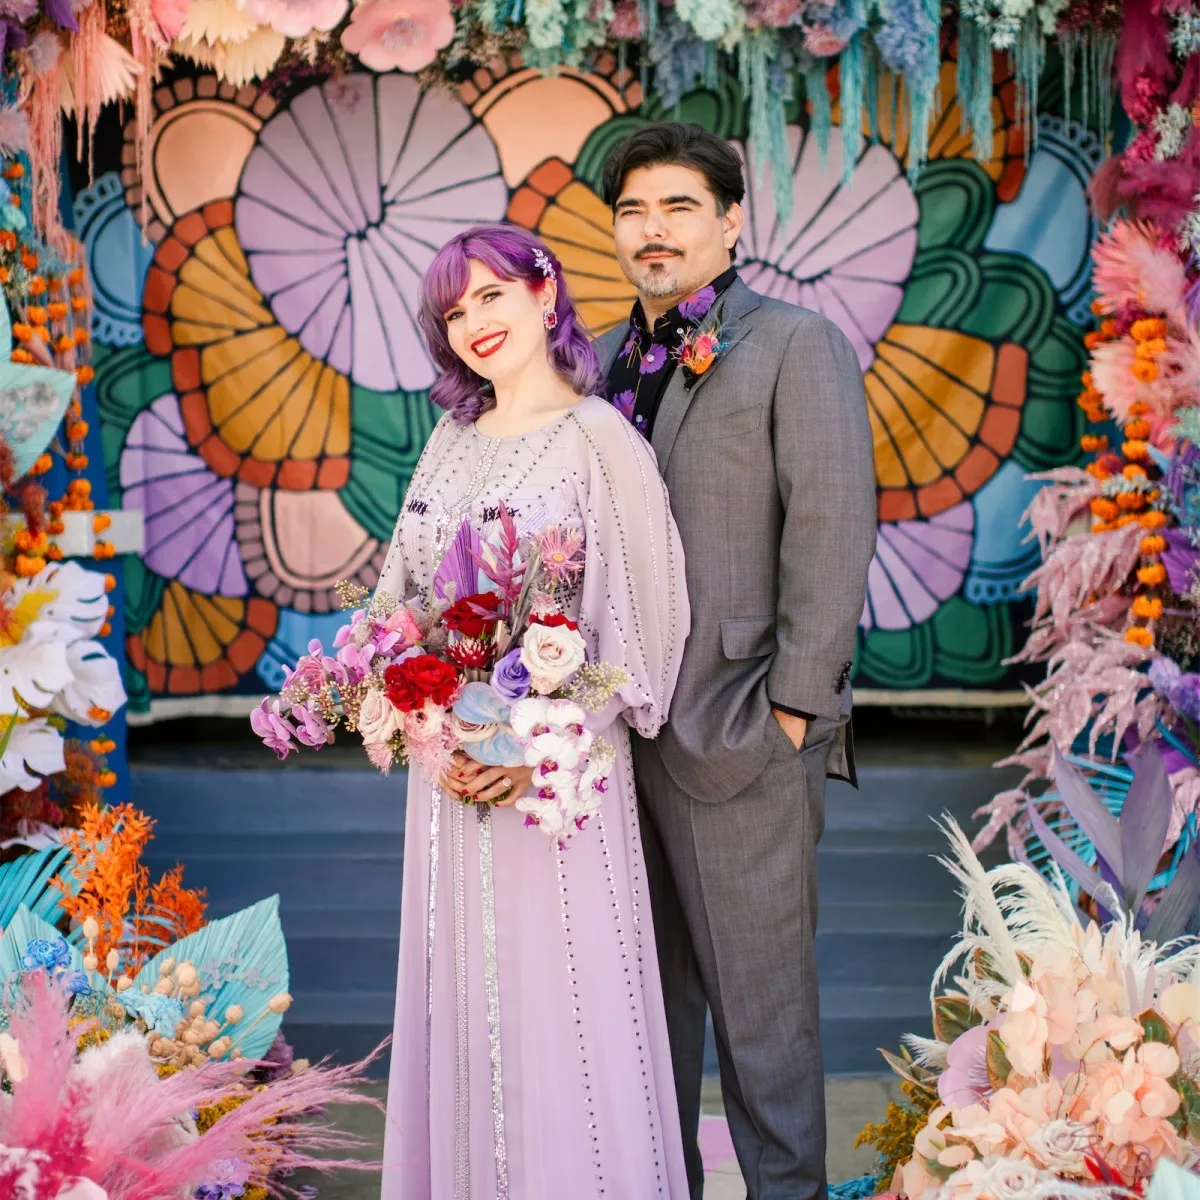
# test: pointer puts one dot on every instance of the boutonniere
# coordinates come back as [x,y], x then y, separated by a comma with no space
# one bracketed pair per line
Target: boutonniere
[698,352]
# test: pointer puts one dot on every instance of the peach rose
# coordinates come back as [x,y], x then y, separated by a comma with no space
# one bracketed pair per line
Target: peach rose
[378,718]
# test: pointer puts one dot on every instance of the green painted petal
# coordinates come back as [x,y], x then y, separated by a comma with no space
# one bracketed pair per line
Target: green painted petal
[1015,304]
[972,641]
[143,591]
[388,431]
[944,284]
[897,658]
[137,688]
[241,959]
[589,166]
[1051,421]
[127,381]
[956,201]
[722,112]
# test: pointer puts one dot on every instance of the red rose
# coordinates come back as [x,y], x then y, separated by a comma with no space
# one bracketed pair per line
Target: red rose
[553,621]
[423,677]
[462,617]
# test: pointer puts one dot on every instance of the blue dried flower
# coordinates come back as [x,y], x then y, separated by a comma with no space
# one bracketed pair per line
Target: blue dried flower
[161,1014]
[49,954]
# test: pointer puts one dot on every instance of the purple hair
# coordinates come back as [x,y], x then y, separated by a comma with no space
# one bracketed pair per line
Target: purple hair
[508,251]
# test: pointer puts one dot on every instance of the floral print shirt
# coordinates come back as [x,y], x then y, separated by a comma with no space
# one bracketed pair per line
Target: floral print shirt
[642,369]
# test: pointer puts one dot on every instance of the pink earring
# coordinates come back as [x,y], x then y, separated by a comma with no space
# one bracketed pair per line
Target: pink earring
[550,319]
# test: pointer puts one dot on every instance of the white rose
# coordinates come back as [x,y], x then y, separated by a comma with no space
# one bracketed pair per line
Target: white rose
[551,655]
[1010,1179]
[378,718]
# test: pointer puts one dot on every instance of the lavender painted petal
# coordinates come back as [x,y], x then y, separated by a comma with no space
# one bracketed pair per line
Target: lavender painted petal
[1181,559]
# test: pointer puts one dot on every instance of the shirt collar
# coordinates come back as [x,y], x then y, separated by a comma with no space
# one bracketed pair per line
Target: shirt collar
[690,311]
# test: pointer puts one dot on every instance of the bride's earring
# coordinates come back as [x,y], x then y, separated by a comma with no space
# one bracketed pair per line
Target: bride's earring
[550,319]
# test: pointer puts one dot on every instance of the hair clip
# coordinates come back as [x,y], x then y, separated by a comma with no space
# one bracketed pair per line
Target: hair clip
[542,260]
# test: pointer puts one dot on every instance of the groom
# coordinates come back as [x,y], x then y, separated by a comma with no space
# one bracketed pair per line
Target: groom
[756,411]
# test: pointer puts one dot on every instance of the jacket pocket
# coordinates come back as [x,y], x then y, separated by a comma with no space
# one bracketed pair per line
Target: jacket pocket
[736,423]
[748,637]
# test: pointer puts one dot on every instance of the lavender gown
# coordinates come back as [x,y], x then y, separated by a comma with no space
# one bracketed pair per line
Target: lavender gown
[530,1058]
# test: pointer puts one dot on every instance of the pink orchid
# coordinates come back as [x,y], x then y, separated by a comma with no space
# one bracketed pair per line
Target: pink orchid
[296,18]
[965,1080]
[273,727]
[405,35]
[312,730]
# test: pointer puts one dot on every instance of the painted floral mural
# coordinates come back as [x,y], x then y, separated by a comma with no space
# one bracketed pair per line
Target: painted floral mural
[263,387]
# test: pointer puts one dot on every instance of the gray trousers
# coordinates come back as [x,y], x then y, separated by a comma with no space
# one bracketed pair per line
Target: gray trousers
[733,888]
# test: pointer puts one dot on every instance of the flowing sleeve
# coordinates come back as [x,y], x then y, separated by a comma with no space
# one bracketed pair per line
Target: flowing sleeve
[634,606]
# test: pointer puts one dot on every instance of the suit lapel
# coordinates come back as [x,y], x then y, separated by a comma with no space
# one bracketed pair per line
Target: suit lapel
[731,310]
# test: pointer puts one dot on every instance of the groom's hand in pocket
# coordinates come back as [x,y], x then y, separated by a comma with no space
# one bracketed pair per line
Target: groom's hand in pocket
[794,727]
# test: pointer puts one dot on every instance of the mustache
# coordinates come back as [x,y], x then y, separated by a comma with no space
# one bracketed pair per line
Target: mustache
[657,248]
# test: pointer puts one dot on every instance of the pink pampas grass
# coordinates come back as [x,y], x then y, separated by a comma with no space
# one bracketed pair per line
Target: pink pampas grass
[107,1117]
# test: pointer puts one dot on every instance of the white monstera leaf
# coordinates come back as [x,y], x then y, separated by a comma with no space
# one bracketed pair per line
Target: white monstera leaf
[71,603]
[95,684]
[32,673]
[34,750]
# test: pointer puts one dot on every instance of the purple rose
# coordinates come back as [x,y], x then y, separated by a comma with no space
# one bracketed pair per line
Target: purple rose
[510,679]
[698,303]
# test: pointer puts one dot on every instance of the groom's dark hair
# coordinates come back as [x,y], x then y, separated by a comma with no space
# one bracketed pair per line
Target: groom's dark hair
[664,143]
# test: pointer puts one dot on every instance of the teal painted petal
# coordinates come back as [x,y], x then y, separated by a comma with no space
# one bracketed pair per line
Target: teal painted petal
[22,929]
[241,959]
[118,258]
[1050,221]
[290,643]
[1003,554]
[25,882]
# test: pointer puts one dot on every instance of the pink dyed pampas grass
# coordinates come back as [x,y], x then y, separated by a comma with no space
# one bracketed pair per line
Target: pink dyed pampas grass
[105,1117]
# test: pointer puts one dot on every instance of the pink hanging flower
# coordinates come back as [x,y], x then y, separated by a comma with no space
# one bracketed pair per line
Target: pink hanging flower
[405,35]
[296,18]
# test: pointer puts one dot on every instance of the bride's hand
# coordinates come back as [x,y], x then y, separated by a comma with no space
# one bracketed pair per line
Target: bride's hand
[462,771]
[472,781]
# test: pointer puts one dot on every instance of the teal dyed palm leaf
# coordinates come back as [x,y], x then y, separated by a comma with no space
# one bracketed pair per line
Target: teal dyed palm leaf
[1171,1182]
[24,927]
[26,881]
[241,959]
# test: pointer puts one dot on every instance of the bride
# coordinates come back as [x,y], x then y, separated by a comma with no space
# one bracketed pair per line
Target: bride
[530,1059]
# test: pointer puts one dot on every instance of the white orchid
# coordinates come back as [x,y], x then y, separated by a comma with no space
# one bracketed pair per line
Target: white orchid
[50,662]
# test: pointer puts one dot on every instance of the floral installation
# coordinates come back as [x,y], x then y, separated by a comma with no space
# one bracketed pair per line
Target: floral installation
[488,664]
[74,59]
[1118,593]
[1064,1049]
[115,990]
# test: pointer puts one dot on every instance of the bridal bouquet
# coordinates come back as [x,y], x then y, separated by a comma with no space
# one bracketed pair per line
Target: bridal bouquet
[487,664]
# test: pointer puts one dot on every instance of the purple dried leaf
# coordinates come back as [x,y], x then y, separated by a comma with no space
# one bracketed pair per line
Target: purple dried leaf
[1062,854]
[1088,812]
[1145,819]
[1178,901]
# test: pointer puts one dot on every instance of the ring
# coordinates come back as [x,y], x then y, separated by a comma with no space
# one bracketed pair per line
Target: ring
[506,782]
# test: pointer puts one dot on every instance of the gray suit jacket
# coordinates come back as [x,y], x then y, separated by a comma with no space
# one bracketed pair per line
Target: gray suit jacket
[769,462]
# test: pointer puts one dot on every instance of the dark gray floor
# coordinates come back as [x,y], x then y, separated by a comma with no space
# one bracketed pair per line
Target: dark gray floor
[326,833]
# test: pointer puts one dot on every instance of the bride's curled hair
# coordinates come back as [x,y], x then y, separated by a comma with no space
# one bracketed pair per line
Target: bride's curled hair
[509,252]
